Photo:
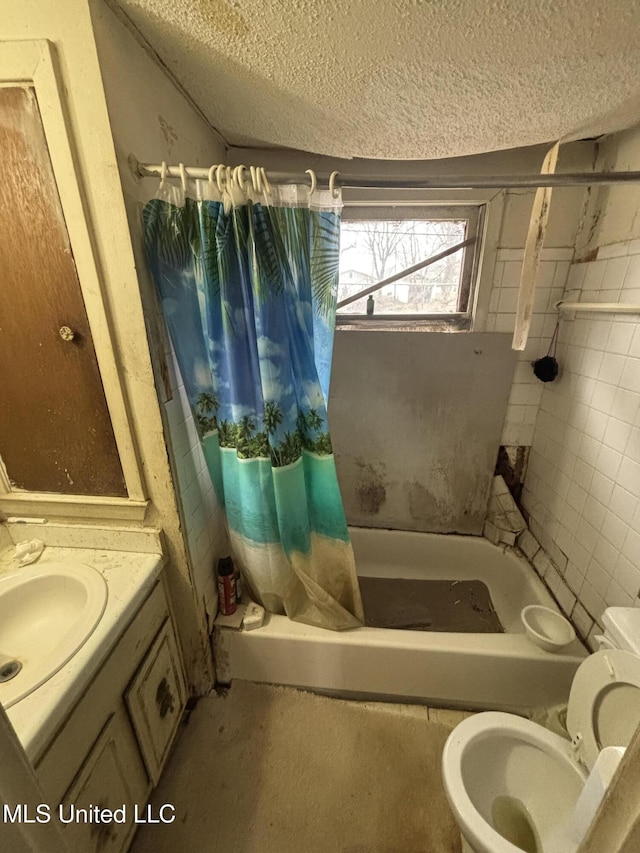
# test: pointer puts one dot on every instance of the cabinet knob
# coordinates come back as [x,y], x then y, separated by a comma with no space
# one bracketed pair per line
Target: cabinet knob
[66,333]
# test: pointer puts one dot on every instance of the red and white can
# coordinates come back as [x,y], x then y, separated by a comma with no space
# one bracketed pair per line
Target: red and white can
[226,586]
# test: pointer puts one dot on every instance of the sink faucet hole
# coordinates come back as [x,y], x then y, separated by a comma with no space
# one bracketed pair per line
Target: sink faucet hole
[9,670]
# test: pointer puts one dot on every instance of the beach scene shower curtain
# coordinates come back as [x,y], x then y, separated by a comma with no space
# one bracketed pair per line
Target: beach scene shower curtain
[247,285]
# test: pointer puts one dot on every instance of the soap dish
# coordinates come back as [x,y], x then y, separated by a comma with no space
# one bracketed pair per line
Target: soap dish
[547,628]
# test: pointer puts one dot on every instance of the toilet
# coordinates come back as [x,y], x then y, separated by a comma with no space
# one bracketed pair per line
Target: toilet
[515,786]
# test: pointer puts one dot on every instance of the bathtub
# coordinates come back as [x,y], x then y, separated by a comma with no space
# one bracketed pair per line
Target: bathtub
[475,671]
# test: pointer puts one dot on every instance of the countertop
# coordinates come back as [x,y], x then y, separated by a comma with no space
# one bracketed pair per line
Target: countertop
[130,577]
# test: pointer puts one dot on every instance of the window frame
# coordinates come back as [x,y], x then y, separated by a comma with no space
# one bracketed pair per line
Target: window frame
[484,211]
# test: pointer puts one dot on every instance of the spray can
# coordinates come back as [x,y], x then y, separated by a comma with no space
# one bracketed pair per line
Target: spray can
[226,586]
[238,585]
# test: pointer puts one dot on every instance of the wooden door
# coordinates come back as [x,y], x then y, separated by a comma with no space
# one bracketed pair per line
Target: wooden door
[55,429]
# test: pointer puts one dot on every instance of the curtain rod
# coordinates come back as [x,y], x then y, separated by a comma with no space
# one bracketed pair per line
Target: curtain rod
[440,182]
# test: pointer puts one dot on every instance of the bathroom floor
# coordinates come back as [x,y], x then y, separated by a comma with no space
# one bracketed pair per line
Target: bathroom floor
[265,769]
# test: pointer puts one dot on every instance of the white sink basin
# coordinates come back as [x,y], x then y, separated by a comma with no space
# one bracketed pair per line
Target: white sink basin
[47,612]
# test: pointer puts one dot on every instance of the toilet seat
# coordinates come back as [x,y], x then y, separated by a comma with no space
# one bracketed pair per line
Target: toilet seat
[603,710]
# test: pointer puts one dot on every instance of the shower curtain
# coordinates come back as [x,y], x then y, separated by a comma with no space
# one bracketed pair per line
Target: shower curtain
[247,281]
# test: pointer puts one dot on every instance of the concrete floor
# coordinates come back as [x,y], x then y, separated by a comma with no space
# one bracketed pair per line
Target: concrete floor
[267,769]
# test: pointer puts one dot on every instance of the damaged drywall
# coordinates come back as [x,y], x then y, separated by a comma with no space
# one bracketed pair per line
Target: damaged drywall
[416,419]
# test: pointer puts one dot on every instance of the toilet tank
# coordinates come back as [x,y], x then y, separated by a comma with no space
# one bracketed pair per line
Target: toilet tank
[621,629]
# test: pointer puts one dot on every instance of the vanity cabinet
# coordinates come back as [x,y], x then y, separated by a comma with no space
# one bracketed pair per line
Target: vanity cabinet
[155,700]
[111,777]
[109,752]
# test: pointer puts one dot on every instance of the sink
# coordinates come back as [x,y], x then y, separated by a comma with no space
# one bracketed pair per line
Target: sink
[47,612]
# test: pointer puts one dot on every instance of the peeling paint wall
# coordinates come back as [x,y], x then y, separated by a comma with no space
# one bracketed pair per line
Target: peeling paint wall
[612,214]
[416,420]
[153,121]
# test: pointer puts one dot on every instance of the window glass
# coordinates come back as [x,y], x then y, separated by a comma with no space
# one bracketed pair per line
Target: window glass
[378,242]
[376,249]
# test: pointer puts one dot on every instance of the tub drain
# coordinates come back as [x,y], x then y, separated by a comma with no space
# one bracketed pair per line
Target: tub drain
[9,670]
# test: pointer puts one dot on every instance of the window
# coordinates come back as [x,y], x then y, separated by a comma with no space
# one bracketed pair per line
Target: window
[379,242]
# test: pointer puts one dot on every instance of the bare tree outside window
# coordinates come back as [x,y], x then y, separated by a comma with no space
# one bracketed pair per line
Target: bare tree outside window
[376,249]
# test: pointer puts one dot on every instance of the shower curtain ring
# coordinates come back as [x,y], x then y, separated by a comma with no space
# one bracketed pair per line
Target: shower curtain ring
[265,183]
[252,175]
[312,175]
[183,177]
[219,171]
[211,174]
[332,189]
[238,176]
[163,173]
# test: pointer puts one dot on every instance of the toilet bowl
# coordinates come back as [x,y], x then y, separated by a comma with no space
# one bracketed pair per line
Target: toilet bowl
[514,785]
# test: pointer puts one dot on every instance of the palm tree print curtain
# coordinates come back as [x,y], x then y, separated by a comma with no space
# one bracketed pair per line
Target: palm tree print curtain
[249,295]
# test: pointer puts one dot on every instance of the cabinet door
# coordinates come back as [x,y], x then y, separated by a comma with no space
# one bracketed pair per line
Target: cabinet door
[156,699]
[55,430]
[112,777]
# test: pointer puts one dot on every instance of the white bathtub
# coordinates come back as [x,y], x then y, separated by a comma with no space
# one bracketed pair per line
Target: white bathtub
[498,671]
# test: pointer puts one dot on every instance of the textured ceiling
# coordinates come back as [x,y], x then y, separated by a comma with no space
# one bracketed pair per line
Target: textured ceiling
[401,79]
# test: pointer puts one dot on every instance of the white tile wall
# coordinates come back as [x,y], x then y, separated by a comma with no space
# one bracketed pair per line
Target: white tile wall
[555,573]
[526,391]
[202,517]
[582,488]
